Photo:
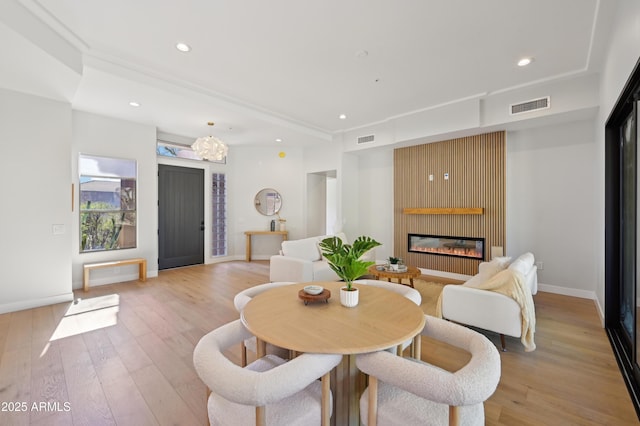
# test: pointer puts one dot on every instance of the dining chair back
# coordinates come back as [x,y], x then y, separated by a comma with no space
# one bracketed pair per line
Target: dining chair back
[269,391]
[239,301]
[412,392]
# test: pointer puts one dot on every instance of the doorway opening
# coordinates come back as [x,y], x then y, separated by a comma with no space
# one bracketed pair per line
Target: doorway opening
[322,203]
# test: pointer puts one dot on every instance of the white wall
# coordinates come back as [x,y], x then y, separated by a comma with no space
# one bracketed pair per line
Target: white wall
[331,205]
[256,168]
[376,199]
[316,195]
[98,135]
[551,204]
[349,212]
[323,160]
[35,136]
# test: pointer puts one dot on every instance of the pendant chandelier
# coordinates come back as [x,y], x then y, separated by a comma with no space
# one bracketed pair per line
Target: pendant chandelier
[210,148]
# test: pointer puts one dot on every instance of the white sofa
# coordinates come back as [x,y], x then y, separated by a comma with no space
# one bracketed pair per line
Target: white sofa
[490,310]
[302,261]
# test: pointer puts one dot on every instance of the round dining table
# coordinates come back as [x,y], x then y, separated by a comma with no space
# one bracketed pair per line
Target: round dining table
[382,320]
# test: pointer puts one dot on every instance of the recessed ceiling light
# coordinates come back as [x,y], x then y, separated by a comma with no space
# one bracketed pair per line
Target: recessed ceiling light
[278,140]
[183,47]
[524,62]
[342,116]
[134,104]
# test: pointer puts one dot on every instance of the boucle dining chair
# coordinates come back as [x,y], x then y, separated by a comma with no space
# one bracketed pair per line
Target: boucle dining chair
[269,391]
[404,391]
[239,301]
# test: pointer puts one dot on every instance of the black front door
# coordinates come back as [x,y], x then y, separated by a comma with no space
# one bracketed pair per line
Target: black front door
[180,216]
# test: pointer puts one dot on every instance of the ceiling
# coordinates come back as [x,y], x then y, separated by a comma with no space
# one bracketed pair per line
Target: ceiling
[285,68]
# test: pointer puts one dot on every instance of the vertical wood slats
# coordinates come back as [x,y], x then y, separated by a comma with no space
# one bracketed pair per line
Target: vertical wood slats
[477,179]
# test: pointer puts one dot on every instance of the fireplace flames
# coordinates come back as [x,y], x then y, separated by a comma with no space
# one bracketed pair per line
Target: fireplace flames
[447,246]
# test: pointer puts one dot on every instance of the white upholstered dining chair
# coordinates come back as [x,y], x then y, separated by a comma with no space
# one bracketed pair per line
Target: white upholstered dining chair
[239,301]
[269,391]
[404,391]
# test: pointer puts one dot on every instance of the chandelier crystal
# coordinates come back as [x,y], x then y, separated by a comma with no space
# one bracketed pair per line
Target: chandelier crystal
[210,148]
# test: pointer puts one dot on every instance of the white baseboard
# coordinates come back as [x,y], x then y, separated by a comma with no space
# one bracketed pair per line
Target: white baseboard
[35,303]
[219,259]
[575,292]
[450,275]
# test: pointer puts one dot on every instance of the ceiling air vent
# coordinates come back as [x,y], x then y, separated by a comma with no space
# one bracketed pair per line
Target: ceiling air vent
[528,106]
[366,139]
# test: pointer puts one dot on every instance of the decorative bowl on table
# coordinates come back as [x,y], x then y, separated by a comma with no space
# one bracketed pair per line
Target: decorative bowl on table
[313,289]
[399,269]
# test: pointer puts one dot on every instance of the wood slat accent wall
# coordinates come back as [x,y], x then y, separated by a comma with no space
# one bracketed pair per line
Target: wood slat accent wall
[477,172]
[476,210]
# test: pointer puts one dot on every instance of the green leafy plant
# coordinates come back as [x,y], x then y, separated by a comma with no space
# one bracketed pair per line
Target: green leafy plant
[344,259]
[394,260]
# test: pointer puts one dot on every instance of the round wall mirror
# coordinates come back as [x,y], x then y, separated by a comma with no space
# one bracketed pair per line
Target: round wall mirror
[268,201]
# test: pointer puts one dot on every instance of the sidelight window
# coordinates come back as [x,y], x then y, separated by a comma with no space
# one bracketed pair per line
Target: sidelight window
[219,215]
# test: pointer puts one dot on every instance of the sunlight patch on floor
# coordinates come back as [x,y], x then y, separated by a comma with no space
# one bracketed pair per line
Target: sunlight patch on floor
[86,315]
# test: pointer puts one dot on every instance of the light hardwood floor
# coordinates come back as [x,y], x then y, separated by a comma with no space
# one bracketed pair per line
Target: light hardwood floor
[122,355]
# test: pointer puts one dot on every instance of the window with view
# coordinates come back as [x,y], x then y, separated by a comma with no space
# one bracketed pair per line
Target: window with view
[107,203]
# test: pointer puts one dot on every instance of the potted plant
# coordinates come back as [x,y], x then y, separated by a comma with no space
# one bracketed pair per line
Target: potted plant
[394,263]
[344,260]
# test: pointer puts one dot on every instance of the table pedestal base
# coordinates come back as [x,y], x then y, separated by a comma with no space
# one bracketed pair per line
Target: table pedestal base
[347,384]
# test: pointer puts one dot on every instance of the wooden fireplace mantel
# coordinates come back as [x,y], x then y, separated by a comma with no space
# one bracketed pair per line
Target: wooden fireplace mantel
[464,210]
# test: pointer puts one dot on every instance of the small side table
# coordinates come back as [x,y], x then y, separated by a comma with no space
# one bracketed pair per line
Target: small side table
[285,235]
[411,273]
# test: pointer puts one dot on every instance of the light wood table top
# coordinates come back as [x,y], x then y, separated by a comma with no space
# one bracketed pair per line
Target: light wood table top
[381,320]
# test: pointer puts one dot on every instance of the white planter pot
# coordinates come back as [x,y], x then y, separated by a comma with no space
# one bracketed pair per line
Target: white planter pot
[394,266]
[349,298]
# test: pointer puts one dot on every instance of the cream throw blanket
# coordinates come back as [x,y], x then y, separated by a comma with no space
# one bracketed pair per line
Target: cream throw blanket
[511,284]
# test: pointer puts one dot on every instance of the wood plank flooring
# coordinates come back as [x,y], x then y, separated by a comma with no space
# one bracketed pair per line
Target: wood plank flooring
[122,355]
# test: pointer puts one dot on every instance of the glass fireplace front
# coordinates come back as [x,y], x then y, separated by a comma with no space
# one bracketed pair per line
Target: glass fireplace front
[447,246]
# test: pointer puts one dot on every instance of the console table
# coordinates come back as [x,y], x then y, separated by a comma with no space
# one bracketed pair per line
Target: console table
[285,235]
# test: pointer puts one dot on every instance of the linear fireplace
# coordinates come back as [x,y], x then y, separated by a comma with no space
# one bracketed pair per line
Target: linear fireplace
[472,248]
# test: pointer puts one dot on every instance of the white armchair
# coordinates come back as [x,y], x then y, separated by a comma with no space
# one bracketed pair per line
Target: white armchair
[490,310]
[302,261]
[268,391]
[408,392]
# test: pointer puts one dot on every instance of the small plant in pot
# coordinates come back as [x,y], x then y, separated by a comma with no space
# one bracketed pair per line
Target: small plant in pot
[345,261]
[394,263]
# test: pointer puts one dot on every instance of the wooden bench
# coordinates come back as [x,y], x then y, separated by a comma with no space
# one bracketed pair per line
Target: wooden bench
[142,266]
